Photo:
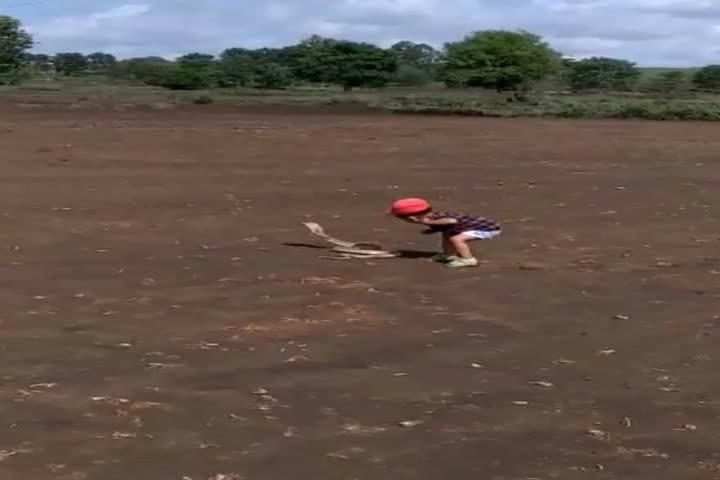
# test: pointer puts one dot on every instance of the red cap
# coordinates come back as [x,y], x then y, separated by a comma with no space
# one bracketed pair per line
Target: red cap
[409,206]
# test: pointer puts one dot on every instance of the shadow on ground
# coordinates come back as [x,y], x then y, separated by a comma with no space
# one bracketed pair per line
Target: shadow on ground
[408,254]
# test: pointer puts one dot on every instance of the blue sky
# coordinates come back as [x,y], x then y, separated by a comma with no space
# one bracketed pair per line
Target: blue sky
[650,32]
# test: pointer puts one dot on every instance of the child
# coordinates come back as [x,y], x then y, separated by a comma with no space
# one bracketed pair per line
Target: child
[457,229]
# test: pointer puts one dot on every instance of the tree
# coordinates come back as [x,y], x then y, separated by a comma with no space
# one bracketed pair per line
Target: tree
[197,70]
[345,63]
[707,78]
[412,76]
[14,45]
[272,76]
[237,67]
[601,73]
[68,64]
[40,63]
[144,69]
[671,82]
[99,62]
[201,60]
[419,55]
[499,59]
[175,76]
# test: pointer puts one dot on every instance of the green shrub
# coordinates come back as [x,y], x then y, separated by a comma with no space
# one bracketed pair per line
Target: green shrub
[574,107]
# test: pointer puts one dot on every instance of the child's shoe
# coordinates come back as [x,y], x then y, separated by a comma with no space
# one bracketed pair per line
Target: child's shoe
[443,258]
[462,263]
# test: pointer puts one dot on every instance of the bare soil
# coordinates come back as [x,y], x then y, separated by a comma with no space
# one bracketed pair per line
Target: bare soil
[165,315]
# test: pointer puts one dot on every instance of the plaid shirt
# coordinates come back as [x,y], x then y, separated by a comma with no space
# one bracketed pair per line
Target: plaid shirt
[465,223]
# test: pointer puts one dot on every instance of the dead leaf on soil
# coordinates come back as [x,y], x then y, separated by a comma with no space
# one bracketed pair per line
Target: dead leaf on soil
[355,428]
[320,280]
[296,358]
[600,434]
[157,365]
[43,385]
[5,454]
[643,452]
[203,345]
[338,455]
[150,405]
[542,384]
[410,423]
[110,400]
[607,352]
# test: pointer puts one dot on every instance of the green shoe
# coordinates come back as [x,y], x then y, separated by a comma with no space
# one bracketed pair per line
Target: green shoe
[462,263]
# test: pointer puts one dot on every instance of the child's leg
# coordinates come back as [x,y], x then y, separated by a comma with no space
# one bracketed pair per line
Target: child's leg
[447,247]
[448,253]
[460,246]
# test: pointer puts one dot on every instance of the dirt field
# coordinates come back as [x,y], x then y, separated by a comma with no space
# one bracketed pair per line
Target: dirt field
[164,315]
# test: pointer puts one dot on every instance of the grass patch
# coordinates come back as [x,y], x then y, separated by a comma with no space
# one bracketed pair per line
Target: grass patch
[398,100]
[564,107]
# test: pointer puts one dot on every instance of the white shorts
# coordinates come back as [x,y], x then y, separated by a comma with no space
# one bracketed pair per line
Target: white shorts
[483,234]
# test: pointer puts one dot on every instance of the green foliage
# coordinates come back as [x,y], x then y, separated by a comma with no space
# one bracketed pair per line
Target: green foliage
[601,73]
[498,59]
[194,71]
[236,67]
[349,64]
[14,45]
[708,78]
[579,107]
[286,56]
[69,64]
[197,60]
[40,63]
[671,82]
[412,76]
[148,70]
[416,57]
[100,62]
[175,76]
[272,76]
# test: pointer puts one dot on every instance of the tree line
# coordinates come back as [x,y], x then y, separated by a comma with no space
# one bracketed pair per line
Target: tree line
[493,59]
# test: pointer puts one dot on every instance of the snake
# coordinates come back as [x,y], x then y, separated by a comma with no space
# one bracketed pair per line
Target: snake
[347,250]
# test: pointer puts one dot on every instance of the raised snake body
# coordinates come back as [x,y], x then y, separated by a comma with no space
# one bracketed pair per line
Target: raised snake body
[347,250]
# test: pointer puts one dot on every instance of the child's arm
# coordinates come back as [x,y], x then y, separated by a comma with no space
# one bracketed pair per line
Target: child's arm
[436,224]
[439,221]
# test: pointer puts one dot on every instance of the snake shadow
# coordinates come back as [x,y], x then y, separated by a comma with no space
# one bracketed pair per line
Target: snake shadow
[408,254]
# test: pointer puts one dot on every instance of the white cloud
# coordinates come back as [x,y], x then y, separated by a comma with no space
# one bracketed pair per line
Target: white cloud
[651,32]
[97,23]
[122,11]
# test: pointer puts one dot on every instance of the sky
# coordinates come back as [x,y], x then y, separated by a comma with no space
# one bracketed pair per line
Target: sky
[650,32]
